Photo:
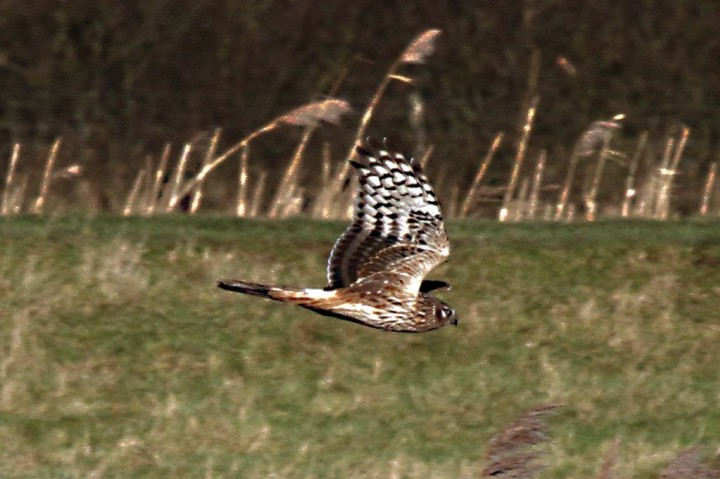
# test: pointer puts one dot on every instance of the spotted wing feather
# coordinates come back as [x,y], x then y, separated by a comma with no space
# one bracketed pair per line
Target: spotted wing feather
[397,221]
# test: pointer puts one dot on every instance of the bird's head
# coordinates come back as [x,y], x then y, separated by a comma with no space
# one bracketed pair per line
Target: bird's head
[443,313]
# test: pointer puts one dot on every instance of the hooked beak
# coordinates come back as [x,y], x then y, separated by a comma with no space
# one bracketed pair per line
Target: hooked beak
[454,322]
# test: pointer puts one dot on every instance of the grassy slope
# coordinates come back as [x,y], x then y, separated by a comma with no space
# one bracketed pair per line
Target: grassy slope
[119,358]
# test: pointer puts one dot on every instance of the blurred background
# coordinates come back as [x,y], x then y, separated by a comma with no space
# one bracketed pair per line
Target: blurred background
[118,80]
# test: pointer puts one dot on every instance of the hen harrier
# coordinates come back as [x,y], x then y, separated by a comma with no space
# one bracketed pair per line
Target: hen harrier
[377,266]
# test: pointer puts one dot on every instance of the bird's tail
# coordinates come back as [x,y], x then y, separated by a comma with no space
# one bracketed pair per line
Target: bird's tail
[277,293]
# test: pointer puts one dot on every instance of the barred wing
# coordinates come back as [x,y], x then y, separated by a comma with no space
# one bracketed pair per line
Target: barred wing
[397,223]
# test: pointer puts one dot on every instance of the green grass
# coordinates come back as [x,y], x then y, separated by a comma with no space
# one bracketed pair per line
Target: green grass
[119,357]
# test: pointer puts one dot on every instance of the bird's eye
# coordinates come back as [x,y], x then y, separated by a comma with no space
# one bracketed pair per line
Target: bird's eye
[445,313]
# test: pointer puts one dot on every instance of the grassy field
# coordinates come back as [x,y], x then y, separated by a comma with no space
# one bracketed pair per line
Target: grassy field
[119,357]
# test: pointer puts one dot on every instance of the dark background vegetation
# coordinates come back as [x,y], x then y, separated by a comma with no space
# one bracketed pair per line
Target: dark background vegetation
[119,79]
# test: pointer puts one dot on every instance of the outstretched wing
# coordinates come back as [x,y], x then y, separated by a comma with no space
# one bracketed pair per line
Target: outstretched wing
[397,223]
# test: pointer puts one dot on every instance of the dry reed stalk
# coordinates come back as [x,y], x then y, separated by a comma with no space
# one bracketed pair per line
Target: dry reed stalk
[570,216]
[39,203]
[326,202]
[529,103]
[591,140]
[533,78]
[479,175]
[596,135]
[69,171]
[511,452]
[417,122]
[348,208]
[646,197]
[630,179]
[567,184]
[591,196]
[289,196]
[427,153]
[519,157]
[687,465]
[157,181]
[321,205]
[176,183]
[421,47]
[241,208]
[708,189]
[520,206]
[326,184]
[627,199]
[566,65]
[667,173]
[657,177]
[677,156]
[416,52]
[134,193]
[294,203]
[533,202]
[290,178]
[257,195]
[325,167]
[311,114]
[209,154]
[586,182]
[10,180]
[17,196]
[335,87]
[146,188]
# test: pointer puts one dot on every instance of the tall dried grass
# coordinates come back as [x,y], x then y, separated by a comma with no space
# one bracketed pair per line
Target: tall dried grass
[8,205]
[472,192]
[687,465]
[162,187]
[516,453]
[505,211]
[416,52]
[708,189]
[513,452]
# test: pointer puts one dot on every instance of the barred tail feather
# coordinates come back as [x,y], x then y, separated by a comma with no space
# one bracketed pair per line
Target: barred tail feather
[278,293]
[245,287]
